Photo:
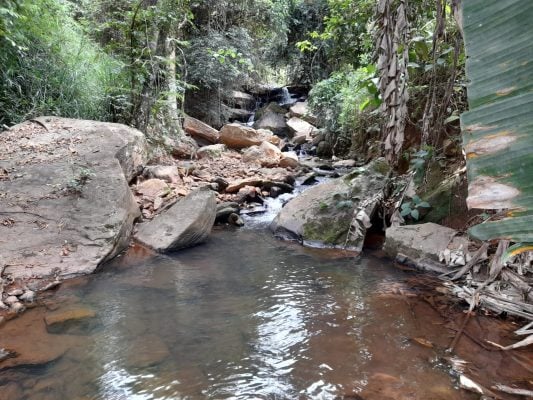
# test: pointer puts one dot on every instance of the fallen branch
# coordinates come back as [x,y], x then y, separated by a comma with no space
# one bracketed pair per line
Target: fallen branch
[497,261]
[526,330]
[523,343]
[510,390]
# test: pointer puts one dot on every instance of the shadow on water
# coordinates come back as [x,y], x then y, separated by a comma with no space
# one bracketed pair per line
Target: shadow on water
[243,317]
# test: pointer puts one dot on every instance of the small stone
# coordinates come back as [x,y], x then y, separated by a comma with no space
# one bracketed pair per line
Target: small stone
[289,160]
[146,351]
[28,296]
[158,202]
[344,164]
[275,191]
[17,307]
[235,219]
[213,151]
[11,300]
[15,292]
[222,183]
[152,188]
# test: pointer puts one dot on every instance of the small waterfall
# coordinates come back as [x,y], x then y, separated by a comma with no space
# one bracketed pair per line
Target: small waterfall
[251,120]
[286,97]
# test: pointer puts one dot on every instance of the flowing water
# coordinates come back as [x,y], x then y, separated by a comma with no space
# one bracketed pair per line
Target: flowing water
[245,316]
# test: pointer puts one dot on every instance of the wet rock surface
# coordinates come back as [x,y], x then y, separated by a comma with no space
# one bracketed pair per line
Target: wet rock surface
[69,319]
[335,213]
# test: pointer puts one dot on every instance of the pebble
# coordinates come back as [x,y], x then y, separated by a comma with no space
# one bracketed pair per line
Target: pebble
[28,296]
[17,307]
[15,292]
[11,300]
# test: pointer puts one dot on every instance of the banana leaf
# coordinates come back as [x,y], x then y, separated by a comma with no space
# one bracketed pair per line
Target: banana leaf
[498,128]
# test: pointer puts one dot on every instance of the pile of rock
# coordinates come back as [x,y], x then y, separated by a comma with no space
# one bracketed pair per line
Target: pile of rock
[16,299]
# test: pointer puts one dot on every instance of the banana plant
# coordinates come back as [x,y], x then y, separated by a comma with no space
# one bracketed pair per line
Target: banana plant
[498,128]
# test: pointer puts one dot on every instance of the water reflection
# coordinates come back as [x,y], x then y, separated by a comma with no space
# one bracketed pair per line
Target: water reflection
[243,317]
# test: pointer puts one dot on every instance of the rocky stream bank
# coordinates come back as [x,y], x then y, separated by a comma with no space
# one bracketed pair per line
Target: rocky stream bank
[74,193]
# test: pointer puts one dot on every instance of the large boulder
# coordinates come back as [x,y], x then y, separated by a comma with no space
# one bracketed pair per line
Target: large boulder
[299,127]
[237,136]
[185,224]
[267,155]
[336,213]
[235,114]
[241,100]
[200,130]
[301,110]
[428,246]
[65,202]
[272,117]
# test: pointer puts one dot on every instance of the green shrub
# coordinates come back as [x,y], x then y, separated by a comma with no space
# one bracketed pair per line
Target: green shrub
[345,104]
[49,66]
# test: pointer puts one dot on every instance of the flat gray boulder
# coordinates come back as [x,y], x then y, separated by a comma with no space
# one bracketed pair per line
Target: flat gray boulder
[428,246]
[65,203]
[185,224]
[336,213]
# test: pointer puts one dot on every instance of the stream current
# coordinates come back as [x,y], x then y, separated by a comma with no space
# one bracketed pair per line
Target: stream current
[245,316]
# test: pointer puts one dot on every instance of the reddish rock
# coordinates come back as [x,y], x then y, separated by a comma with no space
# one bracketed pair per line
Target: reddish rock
[199,129]
[266,155]
[238,136]
[289,160]
[153,188]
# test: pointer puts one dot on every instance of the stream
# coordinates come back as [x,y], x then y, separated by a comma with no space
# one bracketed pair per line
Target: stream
[245,316]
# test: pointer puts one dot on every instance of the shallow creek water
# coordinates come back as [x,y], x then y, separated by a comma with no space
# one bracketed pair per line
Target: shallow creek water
[245,316]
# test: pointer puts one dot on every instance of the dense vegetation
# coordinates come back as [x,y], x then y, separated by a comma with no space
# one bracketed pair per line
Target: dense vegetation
[142,62]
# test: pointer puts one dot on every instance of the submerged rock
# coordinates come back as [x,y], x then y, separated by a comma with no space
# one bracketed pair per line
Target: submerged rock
[146,351]
[67,191]
[224,210]
[62,320]
[185,224]
[323,214]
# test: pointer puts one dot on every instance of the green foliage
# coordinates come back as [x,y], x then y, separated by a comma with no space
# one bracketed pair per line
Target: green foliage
[340,38]
[498,128]
[79,180]
[226,55]
[418,160]
[345,103]
[49,66]
[411,209]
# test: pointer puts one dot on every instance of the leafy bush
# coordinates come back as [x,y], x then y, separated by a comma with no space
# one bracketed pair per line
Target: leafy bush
[226,57]
[49,66]
[345,104]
